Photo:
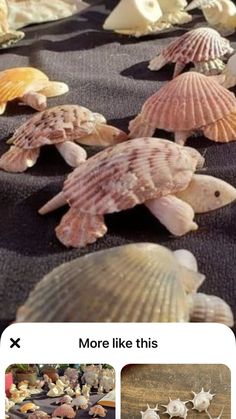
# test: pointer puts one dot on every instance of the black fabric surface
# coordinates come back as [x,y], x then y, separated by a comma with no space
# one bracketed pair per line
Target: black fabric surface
[49,404]
[107,73]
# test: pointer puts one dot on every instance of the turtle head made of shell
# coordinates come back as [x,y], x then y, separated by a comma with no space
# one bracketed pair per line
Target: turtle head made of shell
[207,193]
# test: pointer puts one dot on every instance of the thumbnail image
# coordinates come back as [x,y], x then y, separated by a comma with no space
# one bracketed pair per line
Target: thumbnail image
[181,391]
[40,391]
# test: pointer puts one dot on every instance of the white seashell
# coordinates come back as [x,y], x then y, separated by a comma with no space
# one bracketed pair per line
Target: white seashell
[210,308]
[8,404]
[202,400]
[150,413]
[218,13]
[173,11]
[176,408]
[228,76]
[187,259]
[133,14]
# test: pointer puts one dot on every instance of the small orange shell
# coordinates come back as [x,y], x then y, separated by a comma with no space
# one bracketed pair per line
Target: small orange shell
[64,411]
[98,410]
[197,45]
[27,407]
[188,102]
[15,82]
[128,174]
[223,130]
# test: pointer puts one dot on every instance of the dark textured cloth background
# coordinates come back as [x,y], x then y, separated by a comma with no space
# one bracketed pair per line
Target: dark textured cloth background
[48,405]
[108,74]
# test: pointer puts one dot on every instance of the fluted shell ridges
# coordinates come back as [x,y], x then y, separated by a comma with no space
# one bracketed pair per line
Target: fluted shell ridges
[135,283]
[129,174]
[188,102]
[197,45]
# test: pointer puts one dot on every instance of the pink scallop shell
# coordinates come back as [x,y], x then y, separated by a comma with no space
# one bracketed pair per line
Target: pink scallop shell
[188,102]
[201,44]
[64,411]
[129,174]
[222,131]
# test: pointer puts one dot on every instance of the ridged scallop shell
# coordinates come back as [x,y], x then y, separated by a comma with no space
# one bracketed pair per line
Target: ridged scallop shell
[202,400]
[139,282]
[210,308]
[129,174]
[197,46]
[176,408]
[15,82]
[64,411]
[186,103]
[97,410]
[223,130]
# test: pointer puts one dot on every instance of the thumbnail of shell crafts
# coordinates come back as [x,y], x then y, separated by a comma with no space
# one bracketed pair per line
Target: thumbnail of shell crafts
[117,168]
[44,396]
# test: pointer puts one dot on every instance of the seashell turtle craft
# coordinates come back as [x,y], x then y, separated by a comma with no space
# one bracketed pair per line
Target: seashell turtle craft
[176,408]
[187,104]
[39,414]
[202,400]
[28,407]
[97,410]
[173,12]
[150,413]
[220,14]
[61,126]
[28,85]
[146,171]
[80,402]
[65,400]
[136,18]
[64,411]
[7,37]
[204,47]
[107,273]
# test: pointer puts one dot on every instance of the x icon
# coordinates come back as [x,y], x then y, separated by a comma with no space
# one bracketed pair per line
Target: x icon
[15,342]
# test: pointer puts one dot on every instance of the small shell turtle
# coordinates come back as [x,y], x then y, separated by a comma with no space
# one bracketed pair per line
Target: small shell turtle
[146,170]
[61,126]
[202,400]
[80,402]
[190,102]
[64,411]
[27,84]
[65,400]
[220,14]
[176,408]
[97,410]
[75,291]
[28,407]
[205,47]
[150,413]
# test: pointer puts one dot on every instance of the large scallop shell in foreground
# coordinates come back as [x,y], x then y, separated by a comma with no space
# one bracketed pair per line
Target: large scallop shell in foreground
[136,283]
[188,102]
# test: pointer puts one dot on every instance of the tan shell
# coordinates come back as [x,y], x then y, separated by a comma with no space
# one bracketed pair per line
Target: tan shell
[187,103]
[210,308]
[228,77]
[64,411]
[27,407]
[222,131]
[129,174]
[97,410]
[56,126]
[197,45]
[139,282]
[38,415]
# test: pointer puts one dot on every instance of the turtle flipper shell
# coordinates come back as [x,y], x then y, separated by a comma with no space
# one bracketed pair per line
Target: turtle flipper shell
[131,283]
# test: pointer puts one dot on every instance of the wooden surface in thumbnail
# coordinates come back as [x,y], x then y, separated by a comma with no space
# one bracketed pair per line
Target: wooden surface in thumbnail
[142,384]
